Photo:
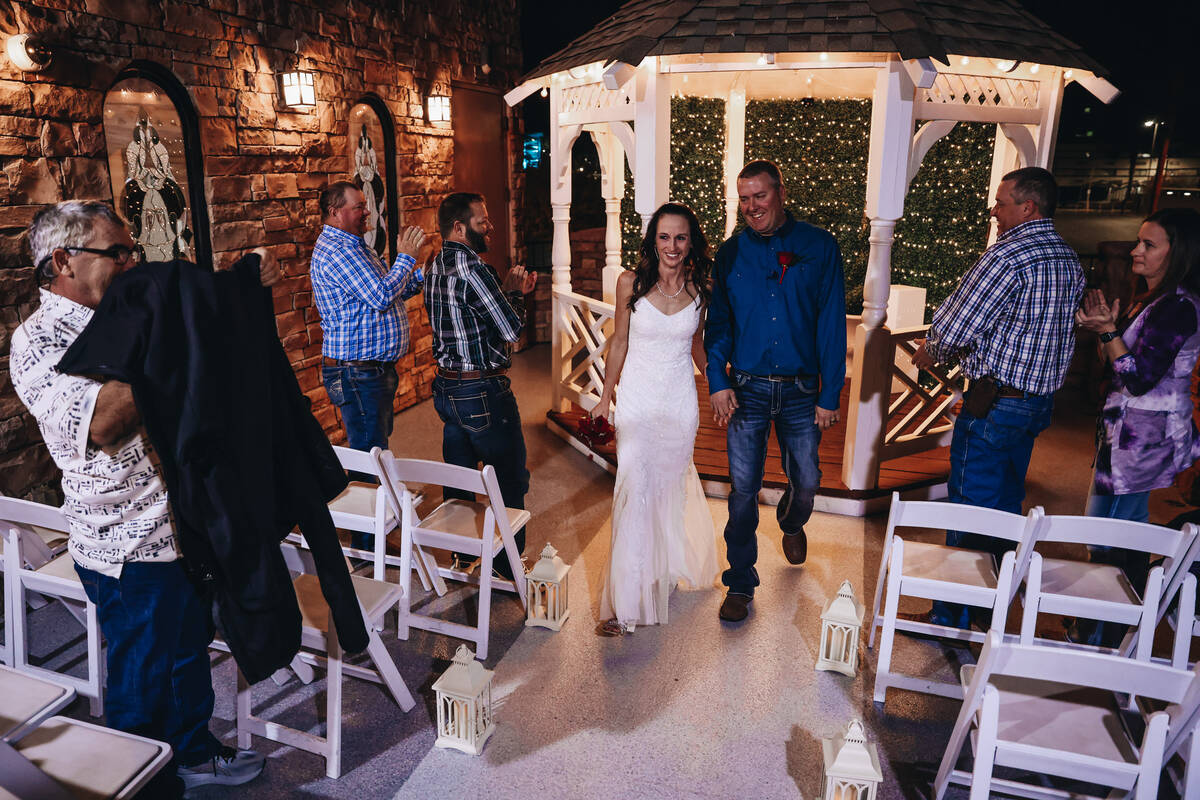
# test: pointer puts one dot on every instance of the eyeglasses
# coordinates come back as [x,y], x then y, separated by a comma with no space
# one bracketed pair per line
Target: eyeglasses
[119,253]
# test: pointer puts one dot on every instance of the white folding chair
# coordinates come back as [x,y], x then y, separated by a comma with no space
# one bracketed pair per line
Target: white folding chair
[25,701]
[363,507]
[1053,712]
[56,579]
[36,551]
[481,529]
[91,761]
[1173,586]
[942,572]
[1098,591]
[321,648]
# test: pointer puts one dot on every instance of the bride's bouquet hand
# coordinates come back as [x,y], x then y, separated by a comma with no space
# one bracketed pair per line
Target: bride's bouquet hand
[602,409]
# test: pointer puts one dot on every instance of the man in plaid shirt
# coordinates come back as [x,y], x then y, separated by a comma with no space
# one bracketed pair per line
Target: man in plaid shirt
[363,319]
[475,319]
[1010,319]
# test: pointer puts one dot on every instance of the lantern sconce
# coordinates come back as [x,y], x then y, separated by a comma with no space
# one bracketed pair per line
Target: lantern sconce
[464,704]
[841,624]
[299,92]
[438,108]
[28,53]
[851,765]
[546,590]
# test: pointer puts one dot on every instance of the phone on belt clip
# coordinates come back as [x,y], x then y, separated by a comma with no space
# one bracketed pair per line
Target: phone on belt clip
[981,396]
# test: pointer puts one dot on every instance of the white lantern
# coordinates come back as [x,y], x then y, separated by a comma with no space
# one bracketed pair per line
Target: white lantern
[464,704]
[298,89]
[851,765]
[841,623]
[546,591]
[438,108]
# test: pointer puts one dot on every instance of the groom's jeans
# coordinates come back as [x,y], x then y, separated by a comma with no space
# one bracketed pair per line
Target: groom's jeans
[791,406]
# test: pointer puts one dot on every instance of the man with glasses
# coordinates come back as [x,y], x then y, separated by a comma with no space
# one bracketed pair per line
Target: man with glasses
[363,319]
[122,537]
[777,320]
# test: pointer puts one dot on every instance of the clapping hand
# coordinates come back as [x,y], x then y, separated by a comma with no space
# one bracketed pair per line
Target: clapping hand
[1095,314]
[412,239]
[519,280]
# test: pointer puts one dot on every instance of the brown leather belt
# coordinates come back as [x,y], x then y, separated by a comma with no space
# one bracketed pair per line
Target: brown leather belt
[469,375]
[1009,391]
[362,363]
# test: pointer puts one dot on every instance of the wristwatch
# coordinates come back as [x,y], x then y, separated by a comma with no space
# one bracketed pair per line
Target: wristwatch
[1107,337]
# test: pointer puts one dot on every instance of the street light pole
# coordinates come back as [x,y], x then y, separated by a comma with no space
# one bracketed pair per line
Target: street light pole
[1152,123]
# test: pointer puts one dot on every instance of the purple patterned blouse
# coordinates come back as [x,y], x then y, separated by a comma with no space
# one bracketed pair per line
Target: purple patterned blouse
[1148,434]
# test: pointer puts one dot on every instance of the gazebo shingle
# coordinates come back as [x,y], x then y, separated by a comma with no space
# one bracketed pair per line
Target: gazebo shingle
[913,28]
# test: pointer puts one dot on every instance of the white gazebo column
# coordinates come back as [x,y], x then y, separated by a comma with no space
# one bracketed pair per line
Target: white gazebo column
[887,183]
[735,150]
[561,141]
[1050,100]
[1005,158]
[612,188]
[652,134]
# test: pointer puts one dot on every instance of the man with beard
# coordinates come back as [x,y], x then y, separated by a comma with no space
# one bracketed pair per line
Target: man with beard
[475,319]
[363,320]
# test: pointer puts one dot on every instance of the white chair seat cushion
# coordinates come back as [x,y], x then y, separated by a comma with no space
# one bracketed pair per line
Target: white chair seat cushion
[358,499]
[89,762]
[939,562]
[374,596]
[1053,716]
[62,566]
[1088,580]
[465,518]
[22,697]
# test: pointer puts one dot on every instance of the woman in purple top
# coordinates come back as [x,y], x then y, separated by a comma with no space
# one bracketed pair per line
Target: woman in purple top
[1146,434]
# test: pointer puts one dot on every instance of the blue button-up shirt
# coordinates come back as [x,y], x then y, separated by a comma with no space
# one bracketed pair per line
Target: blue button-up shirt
[767,321]
[357,297]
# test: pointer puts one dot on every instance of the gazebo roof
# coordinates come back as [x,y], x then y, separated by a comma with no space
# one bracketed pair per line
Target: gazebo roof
[998,29]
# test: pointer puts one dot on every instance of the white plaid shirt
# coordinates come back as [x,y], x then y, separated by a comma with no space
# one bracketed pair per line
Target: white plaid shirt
[116,504]
[473,320]
[359,299]
[1012,316]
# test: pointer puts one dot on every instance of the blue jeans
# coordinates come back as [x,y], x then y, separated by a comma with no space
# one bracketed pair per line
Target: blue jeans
[792,408]
[989,457]
[159,681]
[483,426]
[363,395]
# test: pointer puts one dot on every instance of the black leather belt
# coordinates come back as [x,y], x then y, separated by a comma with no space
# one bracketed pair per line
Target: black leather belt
[361,363]
[1009,391]
[470,375]
[784,378]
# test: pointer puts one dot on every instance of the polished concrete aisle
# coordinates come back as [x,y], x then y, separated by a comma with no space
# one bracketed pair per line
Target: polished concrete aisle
[692,709]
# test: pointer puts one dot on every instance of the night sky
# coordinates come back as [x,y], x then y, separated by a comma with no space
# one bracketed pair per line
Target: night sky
[1149,46]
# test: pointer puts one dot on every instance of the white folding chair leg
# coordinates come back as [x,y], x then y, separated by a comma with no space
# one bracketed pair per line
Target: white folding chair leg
[333,704]
[1191,770]
[890,609]
[879,582]
[985,747]
[389,673]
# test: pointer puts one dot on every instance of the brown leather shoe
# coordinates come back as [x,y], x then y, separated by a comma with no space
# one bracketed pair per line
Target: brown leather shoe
[795,547]
[735,608]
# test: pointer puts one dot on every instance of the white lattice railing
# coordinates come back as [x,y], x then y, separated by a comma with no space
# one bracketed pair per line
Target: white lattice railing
[919,417]
[582,327]
[982,90]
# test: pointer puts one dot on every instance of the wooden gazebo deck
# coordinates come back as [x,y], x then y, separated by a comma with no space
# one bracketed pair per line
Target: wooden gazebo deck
[925,471]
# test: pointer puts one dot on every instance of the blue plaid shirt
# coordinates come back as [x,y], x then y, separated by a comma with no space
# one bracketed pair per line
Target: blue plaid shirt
[357,295]
[1012,315]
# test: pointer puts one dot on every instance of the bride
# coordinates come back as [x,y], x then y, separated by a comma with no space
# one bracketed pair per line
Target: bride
[662,532]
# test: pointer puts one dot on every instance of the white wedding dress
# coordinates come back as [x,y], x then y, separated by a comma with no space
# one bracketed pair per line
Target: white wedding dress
[662,532]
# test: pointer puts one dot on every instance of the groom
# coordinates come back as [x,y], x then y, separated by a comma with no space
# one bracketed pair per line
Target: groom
[778,320]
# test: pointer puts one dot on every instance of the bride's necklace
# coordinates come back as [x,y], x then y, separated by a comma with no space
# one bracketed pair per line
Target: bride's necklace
[682,286]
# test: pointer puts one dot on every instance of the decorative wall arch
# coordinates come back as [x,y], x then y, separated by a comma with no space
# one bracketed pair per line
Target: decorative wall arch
[156,162]
[370,125]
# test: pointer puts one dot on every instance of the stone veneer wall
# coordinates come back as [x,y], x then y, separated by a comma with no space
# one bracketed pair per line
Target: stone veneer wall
[263,165]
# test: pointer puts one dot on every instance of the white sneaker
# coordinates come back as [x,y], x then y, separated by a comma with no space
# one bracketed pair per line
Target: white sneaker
[229,767]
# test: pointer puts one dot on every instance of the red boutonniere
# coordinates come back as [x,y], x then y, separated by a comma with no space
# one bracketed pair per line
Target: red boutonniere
[595,431]
[786,260]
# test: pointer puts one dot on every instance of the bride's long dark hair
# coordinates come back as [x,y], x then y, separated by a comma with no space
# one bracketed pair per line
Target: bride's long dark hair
[697,268]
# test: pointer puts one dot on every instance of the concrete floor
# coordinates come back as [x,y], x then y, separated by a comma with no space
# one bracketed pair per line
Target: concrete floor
[693,709]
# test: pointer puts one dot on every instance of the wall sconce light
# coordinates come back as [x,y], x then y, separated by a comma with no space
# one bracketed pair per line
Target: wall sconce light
[28,53]
[438,108]
[298,90]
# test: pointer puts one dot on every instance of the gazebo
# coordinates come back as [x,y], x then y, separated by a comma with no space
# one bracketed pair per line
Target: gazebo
[925,65]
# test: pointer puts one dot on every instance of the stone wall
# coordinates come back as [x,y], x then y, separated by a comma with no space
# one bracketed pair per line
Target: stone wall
[263,164]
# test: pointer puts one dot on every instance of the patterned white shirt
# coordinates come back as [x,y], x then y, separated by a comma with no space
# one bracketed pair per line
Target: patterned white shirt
[116,504]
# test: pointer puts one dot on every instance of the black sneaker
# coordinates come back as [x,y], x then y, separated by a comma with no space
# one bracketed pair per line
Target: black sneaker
[229,767]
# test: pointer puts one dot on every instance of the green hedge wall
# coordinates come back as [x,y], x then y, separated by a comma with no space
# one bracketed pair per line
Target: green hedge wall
[822,146]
